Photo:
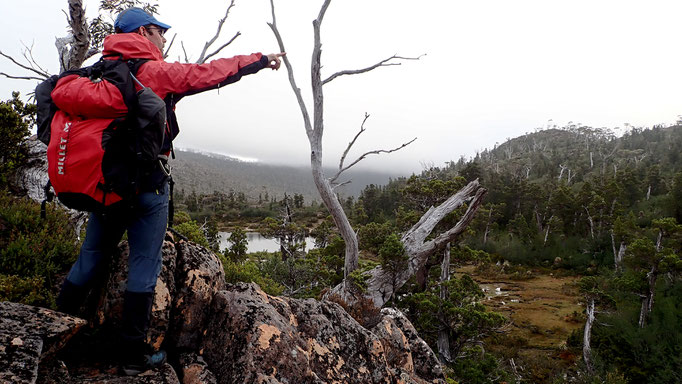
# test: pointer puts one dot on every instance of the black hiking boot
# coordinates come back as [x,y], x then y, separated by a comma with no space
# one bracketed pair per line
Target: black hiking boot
[139,363]
[137,355]
[71,297]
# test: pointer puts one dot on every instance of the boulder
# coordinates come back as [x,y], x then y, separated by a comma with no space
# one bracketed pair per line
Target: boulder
[27,336]
[425,361]
[194,370]
[199,275]
[19,358]
[256,338]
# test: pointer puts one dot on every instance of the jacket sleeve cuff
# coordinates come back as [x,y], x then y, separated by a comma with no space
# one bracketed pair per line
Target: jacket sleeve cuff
[264,61]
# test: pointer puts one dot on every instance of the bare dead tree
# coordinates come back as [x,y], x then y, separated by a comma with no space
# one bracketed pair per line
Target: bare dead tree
[562,168]
[618,255]
[587,335]
[380,285]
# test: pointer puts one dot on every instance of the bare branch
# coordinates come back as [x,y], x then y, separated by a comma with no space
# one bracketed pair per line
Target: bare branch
[382,63]
[461,225]
[21,77]
[323,10]
[376,152]
[345,153]
[28,55]
[316,75]
[28,68]
[290,71]
[342,184]
[222,46]
[202,57]
[182,43]
[165,54]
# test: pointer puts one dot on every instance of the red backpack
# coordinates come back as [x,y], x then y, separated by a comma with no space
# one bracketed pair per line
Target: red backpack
[102,136]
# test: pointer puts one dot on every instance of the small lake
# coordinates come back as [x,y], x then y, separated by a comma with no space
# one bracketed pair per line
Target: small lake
[259,243]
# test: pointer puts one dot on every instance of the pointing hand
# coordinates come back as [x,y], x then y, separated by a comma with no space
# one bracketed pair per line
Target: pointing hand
[274,60]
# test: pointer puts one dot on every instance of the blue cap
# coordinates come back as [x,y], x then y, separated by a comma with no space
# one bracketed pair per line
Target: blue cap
[134,18]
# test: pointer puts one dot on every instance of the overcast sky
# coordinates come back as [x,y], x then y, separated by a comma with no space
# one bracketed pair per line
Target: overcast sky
[494,69]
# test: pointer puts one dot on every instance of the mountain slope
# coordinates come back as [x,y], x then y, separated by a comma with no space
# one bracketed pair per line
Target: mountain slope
[206,173]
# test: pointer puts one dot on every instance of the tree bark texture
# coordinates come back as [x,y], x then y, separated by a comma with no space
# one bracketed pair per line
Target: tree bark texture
[380,285]
[74,47]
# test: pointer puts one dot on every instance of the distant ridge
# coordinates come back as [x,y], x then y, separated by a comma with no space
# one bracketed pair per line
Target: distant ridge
[205,172]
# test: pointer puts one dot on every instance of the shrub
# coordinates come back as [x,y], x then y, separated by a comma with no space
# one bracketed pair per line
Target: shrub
[192,231]
[249,272]
[373,235]
[33,250]
[29,290]
[15,120]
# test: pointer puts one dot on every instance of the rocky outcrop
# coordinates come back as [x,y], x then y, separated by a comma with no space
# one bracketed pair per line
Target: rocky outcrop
[283,340]
[215,333]
[199,275]
[29,335]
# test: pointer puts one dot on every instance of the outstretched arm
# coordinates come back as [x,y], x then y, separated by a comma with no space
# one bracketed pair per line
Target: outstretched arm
[188,79]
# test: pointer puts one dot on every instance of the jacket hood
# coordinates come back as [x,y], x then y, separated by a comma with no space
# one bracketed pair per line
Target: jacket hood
[131,46]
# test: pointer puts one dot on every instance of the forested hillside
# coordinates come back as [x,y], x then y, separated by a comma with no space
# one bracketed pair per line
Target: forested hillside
[205,173]
[580,201]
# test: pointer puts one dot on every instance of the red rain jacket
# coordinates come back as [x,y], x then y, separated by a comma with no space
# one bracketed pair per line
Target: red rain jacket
[177,78]
[172,81]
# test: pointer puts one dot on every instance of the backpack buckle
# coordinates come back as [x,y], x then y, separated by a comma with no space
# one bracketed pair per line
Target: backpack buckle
[164,165]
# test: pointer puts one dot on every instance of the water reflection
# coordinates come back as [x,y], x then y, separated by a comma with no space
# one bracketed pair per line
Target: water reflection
[259,243]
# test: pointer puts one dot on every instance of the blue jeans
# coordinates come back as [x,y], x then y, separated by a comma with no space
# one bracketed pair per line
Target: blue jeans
[146,223]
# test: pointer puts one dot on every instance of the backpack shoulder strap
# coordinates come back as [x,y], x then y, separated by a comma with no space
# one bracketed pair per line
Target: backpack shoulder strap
[135,64]
[46,108]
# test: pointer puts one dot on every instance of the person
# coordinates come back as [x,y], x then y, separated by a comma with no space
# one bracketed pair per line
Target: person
[139,35]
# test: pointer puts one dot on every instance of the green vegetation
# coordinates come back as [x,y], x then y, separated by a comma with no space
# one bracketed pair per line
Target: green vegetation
[15,120]
[34,252]
[571,214]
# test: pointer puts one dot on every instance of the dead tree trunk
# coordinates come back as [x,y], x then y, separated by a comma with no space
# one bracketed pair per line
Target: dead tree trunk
[74,47]
[381,286]
[443,338]
[487,226]
[561,173]
[619,254]
[648,298]
[587,351]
